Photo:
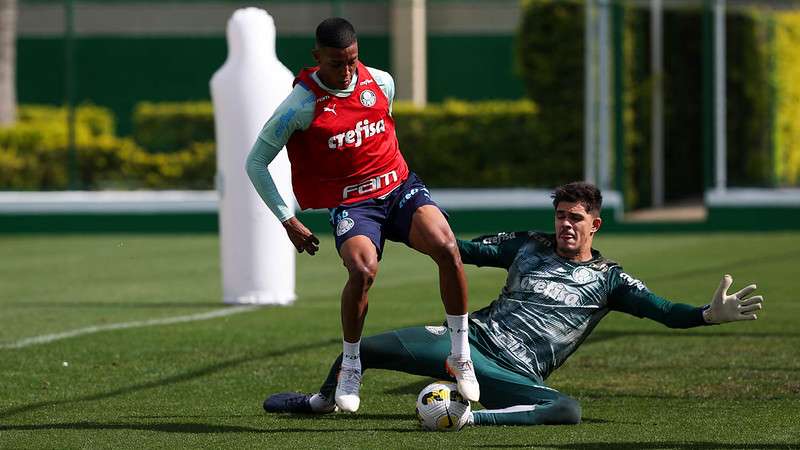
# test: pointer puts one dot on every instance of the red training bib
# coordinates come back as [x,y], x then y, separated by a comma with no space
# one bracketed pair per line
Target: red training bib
[349,153]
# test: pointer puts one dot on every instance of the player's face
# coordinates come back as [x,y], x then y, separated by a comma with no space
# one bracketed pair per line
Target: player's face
[575,229]
[337,66]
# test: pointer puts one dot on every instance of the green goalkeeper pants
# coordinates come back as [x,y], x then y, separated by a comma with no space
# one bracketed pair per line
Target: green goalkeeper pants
[509,398]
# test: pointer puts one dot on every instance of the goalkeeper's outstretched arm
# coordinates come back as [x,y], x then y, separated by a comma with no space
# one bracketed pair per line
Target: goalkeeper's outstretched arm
[632,297]
[492,250]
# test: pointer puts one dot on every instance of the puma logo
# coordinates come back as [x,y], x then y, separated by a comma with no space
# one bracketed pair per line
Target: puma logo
[331,109]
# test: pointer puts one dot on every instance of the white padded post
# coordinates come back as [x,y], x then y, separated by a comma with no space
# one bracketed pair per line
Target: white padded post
[258,260]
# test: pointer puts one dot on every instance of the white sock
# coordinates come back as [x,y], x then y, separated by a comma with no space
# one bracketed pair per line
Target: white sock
[459,336]
[350,354]
[320,403]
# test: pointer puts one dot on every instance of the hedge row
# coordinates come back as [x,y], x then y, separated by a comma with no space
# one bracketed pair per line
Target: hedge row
[34,155]
[165,127]
[452,144]
[484,144]
[97,120]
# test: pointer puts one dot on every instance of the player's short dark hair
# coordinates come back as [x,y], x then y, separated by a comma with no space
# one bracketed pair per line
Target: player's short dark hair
[581,192]
[335,32]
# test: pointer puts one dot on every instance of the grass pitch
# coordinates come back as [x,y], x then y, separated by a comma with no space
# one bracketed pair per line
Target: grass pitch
[201,383]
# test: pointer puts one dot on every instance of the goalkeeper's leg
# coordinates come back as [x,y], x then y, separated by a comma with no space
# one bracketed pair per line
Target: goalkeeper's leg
[528,405]
[417,350]
[509,398]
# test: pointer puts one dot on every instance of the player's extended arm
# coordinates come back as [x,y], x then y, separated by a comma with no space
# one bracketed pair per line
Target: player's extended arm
[494,250]
[726,307]
[258,161]
[631,296]
[288,117]
[261,155]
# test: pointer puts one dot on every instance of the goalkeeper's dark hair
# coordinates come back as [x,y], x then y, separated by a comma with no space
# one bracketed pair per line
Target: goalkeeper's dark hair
[335,32]
[581,192]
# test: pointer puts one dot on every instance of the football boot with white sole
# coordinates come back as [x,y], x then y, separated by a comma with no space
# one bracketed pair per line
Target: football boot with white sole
[347,389]
[464,373]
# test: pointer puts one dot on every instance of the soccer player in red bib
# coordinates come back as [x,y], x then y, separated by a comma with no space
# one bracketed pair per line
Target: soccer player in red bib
[338,129]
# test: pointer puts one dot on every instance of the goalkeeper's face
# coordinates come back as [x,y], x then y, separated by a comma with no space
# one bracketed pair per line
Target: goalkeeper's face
[575,229]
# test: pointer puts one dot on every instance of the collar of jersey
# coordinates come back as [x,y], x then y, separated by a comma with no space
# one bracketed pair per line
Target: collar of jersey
[343,93]
[596,256]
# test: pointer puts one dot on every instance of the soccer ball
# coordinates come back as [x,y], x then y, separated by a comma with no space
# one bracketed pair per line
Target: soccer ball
[440,407]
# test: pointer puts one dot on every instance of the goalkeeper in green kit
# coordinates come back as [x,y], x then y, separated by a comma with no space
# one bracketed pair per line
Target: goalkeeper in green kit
[558,289]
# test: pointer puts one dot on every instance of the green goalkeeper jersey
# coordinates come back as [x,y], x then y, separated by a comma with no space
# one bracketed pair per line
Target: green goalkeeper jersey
[549,304]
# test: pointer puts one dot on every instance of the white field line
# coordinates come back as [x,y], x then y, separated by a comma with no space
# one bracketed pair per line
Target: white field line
[47,338]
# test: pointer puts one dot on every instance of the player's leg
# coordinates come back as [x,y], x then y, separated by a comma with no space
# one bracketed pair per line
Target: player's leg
[509,398]
[431,234]
[360,258]
[359,241]
[512,399]
[535,405]
[417,350]
[418,221]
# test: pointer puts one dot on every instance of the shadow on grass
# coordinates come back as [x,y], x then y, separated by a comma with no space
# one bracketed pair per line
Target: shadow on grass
[644,445]
[359,416]
[194,428]
[173,379]
[195,416]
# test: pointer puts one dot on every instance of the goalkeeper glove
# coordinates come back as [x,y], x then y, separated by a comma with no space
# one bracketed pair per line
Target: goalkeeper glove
[726,307]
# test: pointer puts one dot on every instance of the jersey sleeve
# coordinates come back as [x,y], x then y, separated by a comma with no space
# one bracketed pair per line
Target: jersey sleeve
[494,250]
[631,296]
[385,82]
[295,113]
[257,169]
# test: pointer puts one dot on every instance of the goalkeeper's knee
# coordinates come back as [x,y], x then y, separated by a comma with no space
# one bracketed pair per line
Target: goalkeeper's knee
[564,411]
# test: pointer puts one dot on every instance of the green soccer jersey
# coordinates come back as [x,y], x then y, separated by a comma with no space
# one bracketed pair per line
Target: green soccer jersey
[549,304]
